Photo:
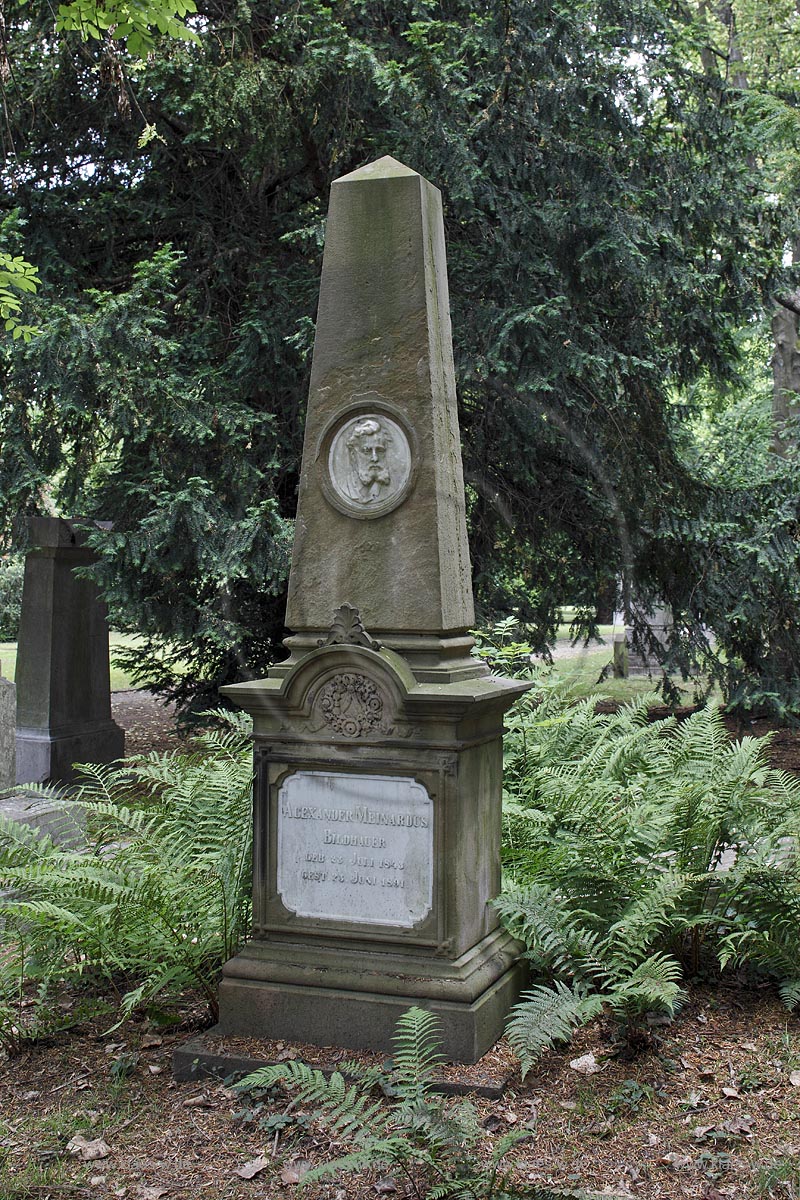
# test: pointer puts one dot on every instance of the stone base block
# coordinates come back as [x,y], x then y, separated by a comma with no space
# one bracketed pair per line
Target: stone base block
[362,1020]
[45,756]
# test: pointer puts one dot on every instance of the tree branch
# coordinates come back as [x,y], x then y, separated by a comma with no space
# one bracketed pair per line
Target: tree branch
[790,302]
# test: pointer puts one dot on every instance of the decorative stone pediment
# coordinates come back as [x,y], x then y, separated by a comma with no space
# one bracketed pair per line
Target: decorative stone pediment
[349,692]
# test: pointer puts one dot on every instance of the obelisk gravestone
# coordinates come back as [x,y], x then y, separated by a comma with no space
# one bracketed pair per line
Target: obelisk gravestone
[378,742]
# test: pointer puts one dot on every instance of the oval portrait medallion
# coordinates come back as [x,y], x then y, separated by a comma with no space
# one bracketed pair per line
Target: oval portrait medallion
[369,464]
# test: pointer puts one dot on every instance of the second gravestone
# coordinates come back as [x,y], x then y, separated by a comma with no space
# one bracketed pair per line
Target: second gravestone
[63,674]
[378,743]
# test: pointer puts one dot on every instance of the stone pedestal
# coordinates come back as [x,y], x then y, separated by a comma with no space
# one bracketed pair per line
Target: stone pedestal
[63,677]
[378,750]
[377,849]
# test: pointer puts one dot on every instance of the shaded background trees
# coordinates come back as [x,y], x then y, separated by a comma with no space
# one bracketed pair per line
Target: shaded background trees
[612,221]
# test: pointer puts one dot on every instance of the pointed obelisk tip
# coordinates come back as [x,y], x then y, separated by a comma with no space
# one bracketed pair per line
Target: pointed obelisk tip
[383,168]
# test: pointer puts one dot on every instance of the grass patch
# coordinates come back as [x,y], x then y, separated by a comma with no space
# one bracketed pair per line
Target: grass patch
[8,659]
[582,673]
[120,680]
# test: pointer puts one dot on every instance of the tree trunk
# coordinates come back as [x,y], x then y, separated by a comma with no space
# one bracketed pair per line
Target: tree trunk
[785,371]
[786,364]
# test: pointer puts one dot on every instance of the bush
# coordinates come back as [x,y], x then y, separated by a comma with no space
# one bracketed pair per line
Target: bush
[153,903]
[12,571]
[638,851]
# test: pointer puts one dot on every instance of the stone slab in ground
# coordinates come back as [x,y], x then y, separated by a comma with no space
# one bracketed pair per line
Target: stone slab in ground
[205,1056]
[60,820]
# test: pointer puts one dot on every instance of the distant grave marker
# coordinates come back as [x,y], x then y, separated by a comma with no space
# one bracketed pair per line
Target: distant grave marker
[637,658]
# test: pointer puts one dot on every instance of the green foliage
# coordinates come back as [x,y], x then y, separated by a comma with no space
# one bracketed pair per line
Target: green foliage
[429,1140]
[501,650]
[206,547]
[17,277]
[589,173]
[130,21]
[628,1098]
[744,525]
[12,573]
[636,851]
[780,1177]
[154,901]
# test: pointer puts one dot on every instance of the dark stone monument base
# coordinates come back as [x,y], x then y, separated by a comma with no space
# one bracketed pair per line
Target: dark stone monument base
[209,1057]
[364,1020]
[42,756]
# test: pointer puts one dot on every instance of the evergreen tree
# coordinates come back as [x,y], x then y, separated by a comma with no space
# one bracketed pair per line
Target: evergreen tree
[608,228]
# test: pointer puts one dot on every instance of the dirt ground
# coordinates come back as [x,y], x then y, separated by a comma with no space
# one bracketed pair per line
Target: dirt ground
[149,723]
[784,748]
[711,1110]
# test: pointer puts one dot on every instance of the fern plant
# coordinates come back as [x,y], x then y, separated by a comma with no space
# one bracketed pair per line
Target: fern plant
[429,1140]
[635,850]
[153,902]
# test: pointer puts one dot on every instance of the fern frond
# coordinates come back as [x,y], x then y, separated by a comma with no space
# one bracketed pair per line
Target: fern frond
[556,941]
[789,992]
[159,895]
[652,987]
[379,1152]
[342,1109]
[416,1039]
[644,921]
[546,1016]
[507,1142]
[450,1187]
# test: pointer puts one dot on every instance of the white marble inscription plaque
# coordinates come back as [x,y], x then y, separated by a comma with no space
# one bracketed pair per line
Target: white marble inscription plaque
[369,464]
[355,848]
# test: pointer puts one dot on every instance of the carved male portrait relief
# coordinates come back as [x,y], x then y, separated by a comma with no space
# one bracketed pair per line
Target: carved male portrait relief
[369,463]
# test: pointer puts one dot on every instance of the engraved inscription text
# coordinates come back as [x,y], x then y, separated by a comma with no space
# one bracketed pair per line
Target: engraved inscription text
[356,848]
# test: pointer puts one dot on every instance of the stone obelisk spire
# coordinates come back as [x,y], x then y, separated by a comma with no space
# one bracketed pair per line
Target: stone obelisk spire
[381,522]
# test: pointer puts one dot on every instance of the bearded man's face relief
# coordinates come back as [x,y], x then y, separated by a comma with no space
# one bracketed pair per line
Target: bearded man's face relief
[367,446]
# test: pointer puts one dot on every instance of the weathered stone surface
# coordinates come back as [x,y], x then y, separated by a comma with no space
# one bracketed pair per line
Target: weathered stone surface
[377,803]
[383,364]
[8,721]
[339,1016]
[637,656]
[63,678]
[61,821]
[204,1057]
